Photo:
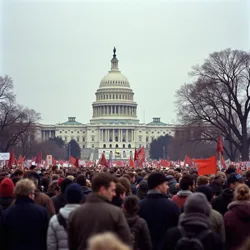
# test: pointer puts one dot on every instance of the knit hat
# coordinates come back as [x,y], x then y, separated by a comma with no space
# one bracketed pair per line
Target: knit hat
[7,188]
[143,185]
[206,190]
[60,181]
[74,193]
[156,179]
[197,203]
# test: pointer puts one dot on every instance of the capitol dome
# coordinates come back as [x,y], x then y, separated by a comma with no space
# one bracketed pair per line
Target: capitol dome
[114,98]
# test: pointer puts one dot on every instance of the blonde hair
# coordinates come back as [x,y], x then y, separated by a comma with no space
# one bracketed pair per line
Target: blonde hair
[106,241]
[24,187]
[242,193]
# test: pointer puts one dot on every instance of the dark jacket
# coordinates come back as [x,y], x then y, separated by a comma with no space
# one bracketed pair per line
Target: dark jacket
[59,202]
[24,226]
[193,227]
[117,201]
[237,224]
[221,202]
[216,188]
[133,188]
[142,239]
[95,216]
[5,202]
[160,215]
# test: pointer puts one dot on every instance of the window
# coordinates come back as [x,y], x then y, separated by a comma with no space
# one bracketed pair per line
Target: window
[123,145]
[116,96]
[78,138]
[140,138]
[93,145]
[92,131]
[139,145]
[116,146]
[65,132]
[60,132]
[83,146]
[77,132]
[72,132]
[93,138]
[83,139]
[147,139]
[110,145]
[129,145]
[104,145]
[72,137]
[65,138]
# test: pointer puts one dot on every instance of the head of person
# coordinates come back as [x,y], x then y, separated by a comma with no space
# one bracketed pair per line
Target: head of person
[132,177]
[104,184]
[6,188]
[18,173]
[242,193]
[202,180]
[34,177]
[74,193]
[234,180]
[187,183]
[131,205]
[25,188]
[206,190]
[158,181]
[120,191]
[81,180]
[65,183]
[197,203]
[126,183]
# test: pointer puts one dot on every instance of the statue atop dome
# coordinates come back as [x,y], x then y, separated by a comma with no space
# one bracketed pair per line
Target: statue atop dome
[114,50]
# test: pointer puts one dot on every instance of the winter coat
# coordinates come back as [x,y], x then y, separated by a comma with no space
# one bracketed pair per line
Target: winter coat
[193,224]
[117,201]
[216,188]
[180,198]
[142,235]
[5,202]
[237,224]
[221,202]
[24,226]
[172,184]
[142,189]
[57,237]
[45,201]
[95,216]
[160,215]
[59,201]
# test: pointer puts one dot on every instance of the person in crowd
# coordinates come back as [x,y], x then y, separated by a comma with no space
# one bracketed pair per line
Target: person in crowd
[132,178]
[81,180]
[106,241]
[247,182]
[97,214]
[57,238]
[126,183]
[6,193]
[202,180]
[60,199]
[18,173]
[217,220]
[142,189]
[53,189]
[217,185]
[186,186]
[194,224]
[120,192]
[138,226]
[24,225]
[237,219]
[171,182]
[221,202]
[159,212]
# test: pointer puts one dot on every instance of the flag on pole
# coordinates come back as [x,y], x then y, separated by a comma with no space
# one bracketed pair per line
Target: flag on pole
[12,158]
[131,162]
[219,148]
[206,166]
[188,161]
[38,159]
[103,161]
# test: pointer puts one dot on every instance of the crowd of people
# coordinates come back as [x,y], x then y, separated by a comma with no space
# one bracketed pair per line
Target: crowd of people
[99,208]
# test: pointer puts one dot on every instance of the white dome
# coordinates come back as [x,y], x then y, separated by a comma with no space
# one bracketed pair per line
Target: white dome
[114,79]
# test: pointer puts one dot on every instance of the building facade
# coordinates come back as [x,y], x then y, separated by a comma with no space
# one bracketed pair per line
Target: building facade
[114,127]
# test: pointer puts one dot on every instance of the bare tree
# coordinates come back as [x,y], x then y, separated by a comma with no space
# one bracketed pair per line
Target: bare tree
[219,98]
[15,120]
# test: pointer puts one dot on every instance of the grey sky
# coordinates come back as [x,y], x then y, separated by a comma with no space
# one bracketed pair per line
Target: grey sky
[58,51]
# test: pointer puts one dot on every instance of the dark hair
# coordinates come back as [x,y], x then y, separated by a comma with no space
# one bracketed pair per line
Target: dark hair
[119,189]
[102,180]
[64,184]
[131,204]
[131,175]
[18,172]
[15,179]
[186,181]
[81,180]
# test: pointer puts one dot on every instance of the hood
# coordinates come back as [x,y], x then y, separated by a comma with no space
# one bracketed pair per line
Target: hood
[172,180]
[7,188]
[241,209]
[228,193]
[131,219]
[184,193]
[67,209]
[86,190]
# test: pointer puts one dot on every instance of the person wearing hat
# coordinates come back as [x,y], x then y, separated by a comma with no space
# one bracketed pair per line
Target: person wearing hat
[6,193]
[57,237]
[221,202]
[194,222]
[159,212]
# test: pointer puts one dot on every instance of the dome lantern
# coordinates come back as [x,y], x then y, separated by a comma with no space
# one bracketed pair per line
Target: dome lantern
[114,62]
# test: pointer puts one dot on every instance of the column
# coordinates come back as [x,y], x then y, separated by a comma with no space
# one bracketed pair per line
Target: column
[50,135]
[126,135]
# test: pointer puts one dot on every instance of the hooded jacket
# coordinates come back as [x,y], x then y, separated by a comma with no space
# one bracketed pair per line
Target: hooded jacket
[180,198]
[57,237]
[237,224]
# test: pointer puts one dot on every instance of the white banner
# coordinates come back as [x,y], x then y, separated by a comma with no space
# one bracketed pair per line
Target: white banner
[4,156]
[49,159]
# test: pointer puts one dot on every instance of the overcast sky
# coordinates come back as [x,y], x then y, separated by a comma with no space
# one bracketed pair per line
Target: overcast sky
[58,51]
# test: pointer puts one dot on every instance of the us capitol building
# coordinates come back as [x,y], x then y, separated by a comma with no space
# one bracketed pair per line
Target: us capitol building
[114,127]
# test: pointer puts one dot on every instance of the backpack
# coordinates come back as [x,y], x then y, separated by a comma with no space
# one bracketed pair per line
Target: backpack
[62,221]
[193,243]
[134,232]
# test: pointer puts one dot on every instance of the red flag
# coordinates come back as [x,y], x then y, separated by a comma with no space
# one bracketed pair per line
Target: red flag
[136,156]
[103,161]
[219,147]
[72,160]
[12,158]
[131,163]
[206,166]
[188,161]
[53,161]
[141,156]
[164,163]
[77,162]
[223,163]
[38,159]
[20,159]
